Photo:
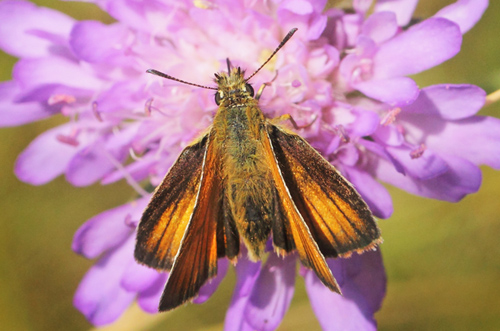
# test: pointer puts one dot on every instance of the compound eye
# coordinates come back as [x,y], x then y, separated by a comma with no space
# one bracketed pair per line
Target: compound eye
[249,89]
[219,95]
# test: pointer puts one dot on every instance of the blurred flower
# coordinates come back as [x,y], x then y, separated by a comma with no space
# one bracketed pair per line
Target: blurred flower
[263,293]
[344,72]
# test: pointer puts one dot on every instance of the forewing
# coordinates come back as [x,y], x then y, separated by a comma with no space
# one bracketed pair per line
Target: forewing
[165,219]
[289,229]
[196,260]
[338,218]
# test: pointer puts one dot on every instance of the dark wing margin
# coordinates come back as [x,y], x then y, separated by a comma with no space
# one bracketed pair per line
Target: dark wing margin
[164,221]
[196,260]
[336,215]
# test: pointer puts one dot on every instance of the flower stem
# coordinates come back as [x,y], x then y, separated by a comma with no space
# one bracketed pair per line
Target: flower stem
[492,97]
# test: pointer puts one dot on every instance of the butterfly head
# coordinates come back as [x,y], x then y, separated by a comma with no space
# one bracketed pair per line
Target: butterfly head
[232,87]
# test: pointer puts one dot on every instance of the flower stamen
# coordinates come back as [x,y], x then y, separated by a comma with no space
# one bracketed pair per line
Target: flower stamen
[59,98]
[147,106]
[340,131]
[390,117]
[130,180]
[96,112]
[68,140]
[417,152]
[133,155]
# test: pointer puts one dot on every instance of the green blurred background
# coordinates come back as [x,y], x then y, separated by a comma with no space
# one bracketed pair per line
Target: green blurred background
[442,259]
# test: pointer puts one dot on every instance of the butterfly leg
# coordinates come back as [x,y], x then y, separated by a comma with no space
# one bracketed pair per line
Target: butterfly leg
[263,86]
[288,118]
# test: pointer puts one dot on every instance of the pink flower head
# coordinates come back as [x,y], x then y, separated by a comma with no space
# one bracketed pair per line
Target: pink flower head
[344,73]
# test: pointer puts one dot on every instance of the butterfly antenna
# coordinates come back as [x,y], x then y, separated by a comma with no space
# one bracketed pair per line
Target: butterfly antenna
[161,74]
[283,42]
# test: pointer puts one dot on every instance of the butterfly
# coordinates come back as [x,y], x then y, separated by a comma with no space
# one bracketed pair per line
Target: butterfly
[248,178]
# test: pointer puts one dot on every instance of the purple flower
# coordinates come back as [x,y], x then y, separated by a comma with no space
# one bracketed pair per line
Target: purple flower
[344,72]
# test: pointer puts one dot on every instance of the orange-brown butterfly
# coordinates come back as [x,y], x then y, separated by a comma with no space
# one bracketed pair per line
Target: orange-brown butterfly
[245,179]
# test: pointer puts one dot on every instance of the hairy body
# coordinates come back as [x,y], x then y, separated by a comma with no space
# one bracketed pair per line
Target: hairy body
[248,184]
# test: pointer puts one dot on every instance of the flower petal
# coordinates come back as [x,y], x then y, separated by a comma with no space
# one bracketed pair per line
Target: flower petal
[428,165]
[364,274]
[18,22]
[94,41]
[419,48]
[121,96]
[108,229]
[46,157]
[402,8]
[99,296]
[388,135]
[399,91]
[348,155]
[476,139]
[323,60]
[365,123]
[31,73]
[272,293]
[246,273]
[149,299]
[362,5]
[380,26]
[448,101]
[17,113]
[98,159]
[465,13]
[300,7]
[146,15]
[381,151]
[462,178]
[208,289]
[138,277]
[363,289]
[375,194]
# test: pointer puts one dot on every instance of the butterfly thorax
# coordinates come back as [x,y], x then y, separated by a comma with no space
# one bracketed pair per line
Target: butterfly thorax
[246,179]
